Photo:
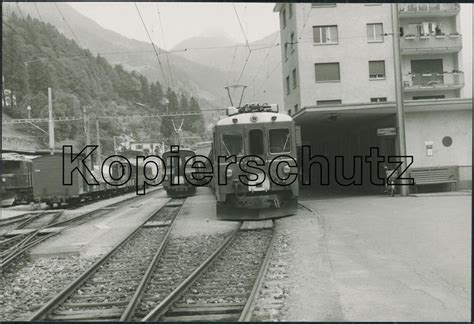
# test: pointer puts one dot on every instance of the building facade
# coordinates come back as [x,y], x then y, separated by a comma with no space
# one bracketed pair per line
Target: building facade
[431,46]
[338,71]
[343,53]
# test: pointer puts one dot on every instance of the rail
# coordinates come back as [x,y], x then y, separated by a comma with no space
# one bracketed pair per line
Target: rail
[220,264]
[46,310]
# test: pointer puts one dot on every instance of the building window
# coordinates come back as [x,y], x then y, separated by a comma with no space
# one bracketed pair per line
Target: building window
[376,70]
[283,17]
[286,51]
[327,72]
[296,109]
[139,147]
[374,33]
[292,41]
[378,99]
[295,83]
[325,34]
[328,102]
[287,85]
[290,10]
[322,4]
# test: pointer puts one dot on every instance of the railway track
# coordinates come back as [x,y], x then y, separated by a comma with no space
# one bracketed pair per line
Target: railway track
[40,226]
[224,287]
[17,245]
[17,219]
[105,289]
[152,276]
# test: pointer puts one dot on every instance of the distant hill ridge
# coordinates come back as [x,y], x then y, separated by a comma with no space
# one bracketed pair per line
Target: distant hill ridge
[199,73]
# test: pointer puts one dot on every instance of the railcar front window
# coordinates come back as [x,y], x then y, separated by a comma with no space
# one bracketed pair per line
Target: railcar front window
[256,142]
[232,144]
[280,140]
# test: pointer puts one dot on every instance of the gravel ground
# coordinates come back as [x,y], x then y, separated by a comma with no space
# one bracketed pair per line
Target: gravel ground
[180,258]
[28,284]
[237,266]
[271,303]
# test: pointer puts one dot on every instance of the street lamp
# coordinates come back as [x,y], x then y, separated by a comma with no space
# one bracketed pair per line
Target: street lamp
[29,111]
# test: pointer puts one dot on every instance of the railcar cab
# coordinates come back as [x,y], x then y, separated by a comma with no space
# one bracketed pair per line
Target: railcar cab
[175,182]
[256,132]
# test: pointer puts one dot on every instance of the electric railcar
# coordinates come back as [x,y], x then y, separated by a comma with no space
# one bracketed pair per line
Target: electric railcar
[48,186]
[16,179]
[175,183]
[256,132]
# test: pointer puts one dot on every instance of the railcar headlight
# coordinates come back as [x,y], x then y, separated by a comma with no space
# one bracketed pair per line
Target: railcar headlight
[286,169]
[229,173]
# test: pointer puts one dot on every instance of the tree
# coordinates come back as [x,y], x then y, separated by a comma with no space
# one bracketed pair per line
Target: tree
[156,96]
[39,76]
[13,64]
[79,78]
[173,105]
[183,104]
[197,125]
[144,90]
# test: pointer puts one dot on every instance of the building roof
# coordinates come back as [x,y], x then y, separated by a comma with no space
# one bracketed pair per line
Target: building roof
[314,114]
[278,6]
[245,118]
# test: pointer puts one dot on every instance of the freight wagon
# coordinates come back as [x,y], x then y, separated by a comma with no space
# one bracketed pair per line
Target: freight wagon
[48,186]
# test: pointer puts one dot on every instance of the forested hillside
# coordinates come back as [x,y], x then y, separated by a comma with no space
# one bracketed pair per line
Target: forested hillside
[36,56]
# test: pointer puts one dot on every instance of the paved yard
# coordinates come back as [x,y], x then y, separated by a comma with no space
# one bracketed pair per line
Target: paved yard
[381,258]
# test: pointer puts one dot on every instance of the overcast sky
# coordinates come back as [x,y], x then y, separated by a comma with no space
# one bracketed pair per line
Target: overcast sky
[183,20]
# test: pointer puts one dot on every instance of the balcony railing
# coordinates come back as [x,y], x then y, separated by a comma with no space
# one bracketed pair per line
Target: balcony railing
[411,44]
[411,9]
[433,81]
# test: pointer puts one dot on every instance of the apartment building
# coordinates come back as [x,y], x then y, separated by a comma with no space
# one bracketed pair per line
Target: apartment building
[339,80]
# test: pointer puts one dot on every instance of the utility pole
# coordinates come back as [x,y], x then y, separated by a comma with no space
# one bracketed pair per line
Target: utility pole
[3,93]
[86,131]
[50,122]
[115,146]
[99,151]
[399,92]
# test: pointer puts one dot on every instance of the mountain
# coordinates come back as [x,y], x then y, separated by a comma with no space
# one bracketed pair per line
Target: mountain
[187,76]
[262,73]
[201,73]
[36,56]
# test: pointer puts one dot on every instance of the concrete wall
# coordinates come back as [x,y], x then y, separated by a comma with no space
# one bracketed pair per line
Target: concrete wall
[433,126]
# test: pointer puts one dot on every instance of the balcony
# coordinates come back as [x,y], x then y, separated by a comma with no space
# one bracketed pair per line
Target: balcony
[433,81]
[415,10]
[430,44]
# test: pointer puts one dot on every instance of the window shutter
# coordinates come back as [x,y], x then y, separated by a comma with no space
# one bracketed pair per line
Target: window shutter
[317,35]
[327,72]
[377,68]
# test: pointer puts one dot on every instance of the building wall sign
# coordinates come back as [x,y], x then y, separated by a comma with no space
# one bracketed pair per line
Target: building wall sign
[429,148]
[390,131]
